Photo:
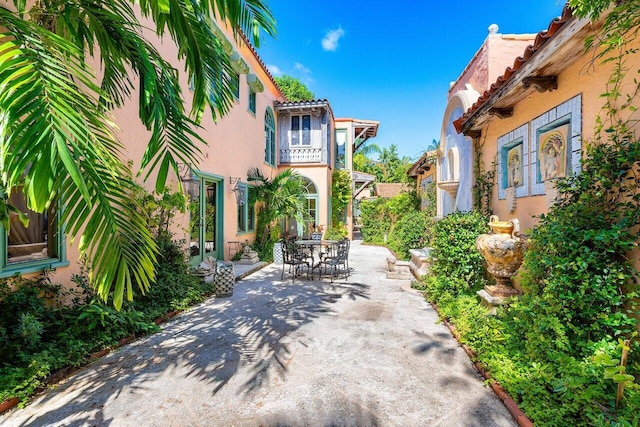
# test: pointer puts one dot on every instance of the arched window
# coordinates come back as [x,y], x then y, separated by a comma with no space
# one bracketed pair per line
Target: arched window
[311,209]
[312,202]
[269,138]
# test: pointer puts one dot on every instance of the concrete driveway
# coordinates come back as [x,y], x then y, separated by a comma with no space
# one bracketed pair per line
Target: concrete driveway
[356,352]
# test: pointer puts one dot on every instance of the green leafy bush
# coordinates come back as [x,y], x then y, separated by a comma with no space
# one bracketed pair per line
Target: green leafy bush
[455,253]
[39,335]
[376,220]
[335,232]
[556,348]
[412,231]
[380,215]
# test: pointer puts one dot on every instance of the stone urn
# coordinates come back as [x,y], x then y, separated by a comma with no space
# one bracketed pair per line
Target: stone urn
[503,250]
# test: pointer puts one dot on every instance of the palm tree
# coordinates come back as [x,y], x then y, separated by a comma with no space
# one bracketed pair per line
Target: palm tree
[282,197]
[57,137]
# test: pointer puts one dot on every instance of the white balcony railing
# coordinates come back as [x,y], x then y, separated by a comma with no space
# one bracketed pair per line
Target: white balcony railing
[301,155]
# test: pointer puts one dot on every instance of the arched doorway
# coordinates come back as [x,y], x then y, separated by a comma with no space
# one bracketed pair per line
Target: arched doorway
[311,213]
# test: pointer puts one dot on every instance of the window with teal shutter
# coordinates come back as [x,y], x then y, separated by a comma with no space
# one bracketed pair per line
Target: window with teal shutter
[270,138]
[252,101]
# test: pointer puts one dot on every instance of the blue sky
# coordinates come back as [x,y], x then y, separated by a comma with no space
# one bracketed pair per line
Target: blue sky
[391,61]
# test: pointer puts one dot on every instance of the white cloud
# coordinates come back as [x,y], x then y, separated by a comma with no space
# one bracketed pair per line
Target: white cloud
[274,70]
[300,67]
[331,38]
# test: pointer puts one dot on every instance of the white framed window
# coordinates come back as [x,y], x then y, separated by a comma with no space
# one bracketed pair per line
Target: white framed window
[300,134]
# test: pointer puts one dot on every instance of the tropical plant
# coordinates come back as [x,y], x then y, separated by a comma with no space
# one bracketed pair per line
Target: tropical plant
[412,231]
[379,216]
[340,195]
[58,141]
[389,167]
[294,89]
[279,198]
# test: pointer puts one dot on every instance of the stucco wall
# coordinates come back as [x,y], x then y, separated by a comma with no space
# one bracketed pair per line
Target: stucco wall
[235,143]
[497,52]
[572,82]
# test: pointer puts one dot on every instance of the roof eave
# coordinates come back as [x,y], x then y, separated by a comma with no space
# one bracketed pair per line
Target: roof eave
[538,59]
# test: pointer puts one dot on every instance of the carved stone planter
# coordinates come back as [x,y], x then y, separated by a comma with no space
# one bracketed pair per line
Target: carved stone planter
[503,250]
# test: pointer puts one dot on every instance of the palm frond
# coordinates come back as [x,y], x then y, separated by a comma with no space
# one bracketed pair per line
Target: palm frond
[59,145]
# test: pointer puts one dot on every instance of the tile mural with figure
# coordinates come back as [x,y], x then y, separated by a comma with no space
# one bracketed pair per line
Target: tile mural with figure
[515,176]
[552,153]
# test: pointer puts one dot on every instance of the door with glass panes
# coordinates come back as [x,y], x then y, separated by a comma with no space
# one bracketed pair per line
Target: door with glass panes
[206,217]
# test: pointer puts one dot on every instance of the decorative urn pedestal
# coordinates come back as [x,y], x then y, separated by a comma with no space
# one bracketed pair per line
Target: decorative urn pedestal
[503,250]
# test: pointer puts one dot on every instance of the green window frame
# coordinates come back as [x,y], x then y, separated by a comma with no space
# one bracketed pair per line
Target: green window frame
[269,138]
[252,101]
[245,212]
[40,246]
[235,84]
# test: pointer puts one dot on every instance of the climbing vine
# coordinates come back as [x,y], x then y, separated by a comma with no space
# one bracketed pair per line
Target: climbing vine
[340,197]
[485,180]
[558,348]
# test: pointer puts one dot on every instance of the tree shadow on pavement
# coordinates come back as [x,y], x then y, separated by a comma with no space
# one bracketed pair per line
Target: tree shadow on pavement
[209,343]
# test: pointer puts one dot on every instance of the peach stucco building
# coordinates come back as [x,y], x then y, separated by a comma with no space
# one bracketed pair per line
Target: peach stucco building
[351,134]
[533,120]
[423,171]
[456,151]
[262,130]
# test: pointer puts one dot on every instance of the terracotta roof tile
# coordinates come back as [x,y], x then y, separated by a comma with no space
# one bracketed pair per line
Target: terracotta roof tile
[390,189]
[262,64]
[308,103]
[541,38]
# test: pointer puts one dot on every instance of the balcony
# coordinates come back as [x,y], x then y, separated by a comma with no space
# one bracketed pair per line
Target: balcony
[301,155]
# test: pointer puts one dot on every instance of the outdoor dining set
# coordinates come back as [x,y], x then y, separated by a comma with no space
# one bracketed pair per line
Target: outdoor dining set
[326,257]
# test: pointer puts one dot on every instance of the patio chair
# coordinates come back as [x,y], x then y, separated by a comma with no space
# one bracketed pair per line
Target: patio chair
[347,244]
[292,257]
[336,259]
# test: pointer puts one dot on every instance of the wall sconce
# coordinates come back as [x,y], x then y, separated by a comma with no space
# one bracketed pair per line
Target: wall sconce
[190,181]
[239,189]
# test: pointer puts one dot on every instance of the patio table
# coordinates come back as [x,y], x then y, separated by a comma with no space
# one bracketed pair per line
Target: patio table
[312,245]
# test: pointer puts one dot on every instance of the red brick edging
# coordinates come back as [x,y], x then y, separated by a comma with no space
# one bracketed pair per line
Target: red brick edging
[8,404]
[513,408]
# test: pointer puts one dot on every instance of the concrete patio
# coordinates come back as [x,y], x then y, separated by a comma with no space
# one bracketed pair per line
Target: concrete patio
[360,352]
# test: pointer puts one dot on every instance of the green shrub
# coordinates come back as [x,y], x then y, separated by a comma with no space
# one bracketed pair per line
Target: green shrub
[577,269]
[335,232]
[412,231]
[556,349]
[38,338]
[376,220]
[380,215]
[454,250]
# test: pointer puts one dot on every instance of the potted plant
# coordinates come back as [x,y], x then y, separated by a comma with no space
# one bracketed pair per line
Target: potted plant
[317,233]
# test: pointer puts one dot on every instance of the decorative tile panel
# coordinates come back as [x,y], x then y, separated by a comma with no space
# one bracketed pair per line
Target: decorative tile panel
[513,162]
[556,143]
